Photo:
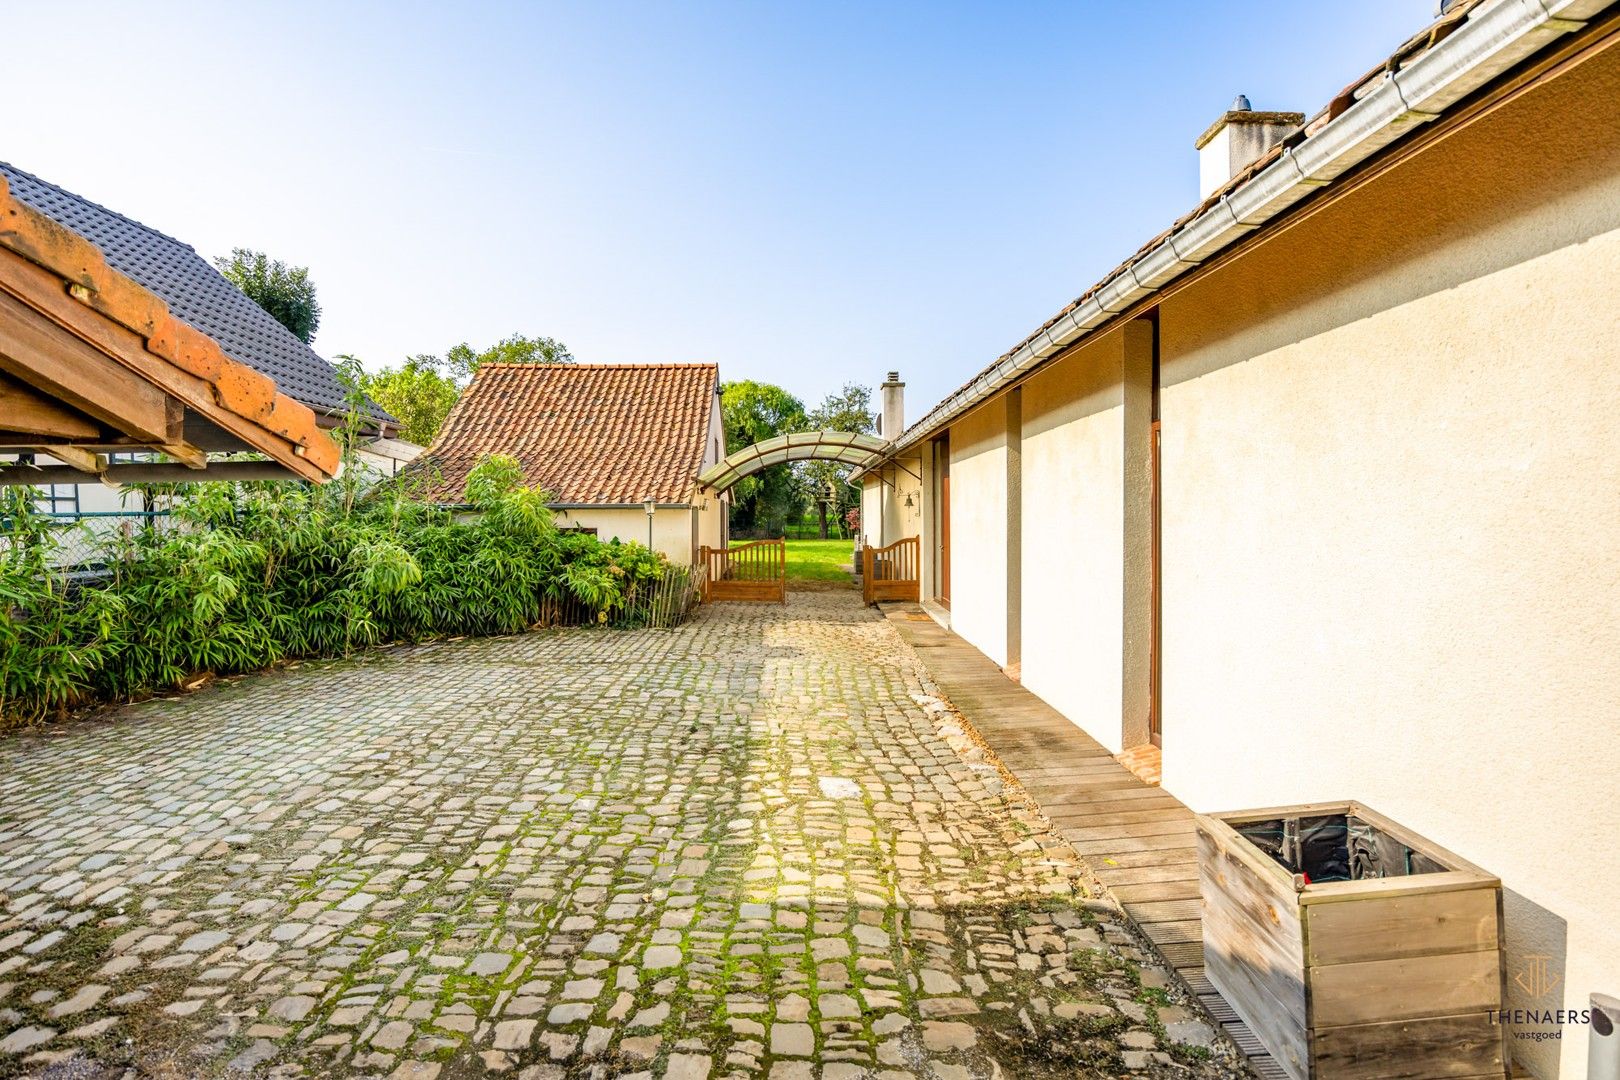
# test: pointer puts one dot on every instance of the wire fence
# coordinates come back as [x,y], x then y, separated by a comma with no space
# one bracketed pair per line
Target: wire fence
[808,529]
[84,540]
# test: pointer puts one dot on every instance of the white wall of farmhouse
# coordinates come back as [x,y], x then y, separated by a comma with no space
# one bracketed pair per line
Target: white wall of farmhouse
[885,515]
[872,498]
[901,520]
[1390,484]
[1391,536]
[1073,537]
[979,530]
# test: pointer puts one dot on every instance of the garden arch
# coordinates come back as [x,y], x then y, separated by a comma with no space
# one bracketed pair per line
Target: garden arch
[846,447]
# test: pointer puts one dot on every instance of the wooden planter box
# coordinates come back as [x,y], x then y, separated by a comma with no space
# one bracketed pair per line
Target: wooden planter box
[1385,965]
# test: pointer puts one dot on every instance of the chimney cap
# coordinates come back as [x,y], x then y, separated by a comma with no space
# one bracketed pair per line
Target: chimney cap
[894,379]
[1242,112]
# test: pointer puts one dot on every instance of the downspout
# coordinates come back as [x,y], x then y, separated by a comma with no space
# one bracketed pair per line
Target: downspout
[1493,38]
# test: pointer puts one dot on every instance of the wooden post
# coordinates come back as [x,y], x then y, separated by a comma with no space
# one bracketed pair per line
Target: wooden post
[1136,629]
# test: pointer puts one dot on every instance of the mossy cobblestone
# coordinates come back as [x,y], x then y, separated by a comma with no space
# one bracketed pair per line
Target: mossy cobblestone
[758,846]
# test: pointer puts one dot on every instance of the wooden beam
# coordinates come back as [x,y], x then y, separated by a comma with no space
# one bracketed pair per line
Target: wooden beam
[43,291]
[49,359]
[20,440]
[186,454]
[24,409]
[82,460]
[137,472]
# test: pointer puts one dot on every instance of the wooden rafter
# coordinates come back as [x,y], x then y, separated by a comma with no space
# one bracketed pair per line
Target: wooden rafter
[58,364]
[82,460]
[32,293]
[24,410]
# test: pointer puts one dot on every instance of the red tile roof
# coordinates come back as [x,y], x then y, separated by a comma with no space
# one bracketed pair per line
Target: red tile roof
[589,434]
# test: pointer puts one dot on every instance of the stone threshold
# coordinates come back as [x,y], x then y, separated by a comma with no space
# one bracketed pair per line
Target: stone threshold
[1137,839]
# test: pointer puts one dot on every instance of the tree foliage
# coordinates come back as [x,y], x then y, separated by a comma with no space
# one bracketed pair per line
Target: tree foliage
[416,394]
[849,409]
[286,292]
[463,360]
[753,411]
[420,392]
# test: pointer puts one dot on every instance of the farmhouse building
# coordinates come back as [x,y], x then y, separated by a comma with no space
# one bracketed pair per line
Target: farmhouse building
[1315,496]
[617,447]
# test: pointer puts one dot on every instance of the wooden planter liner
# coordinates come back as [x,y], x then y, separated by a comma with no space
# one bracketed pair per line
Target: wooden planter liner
[1382,978]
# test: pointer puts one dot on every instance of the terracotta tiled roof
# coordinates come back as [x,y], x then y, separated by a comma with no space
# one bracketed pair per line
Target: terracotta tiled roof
[589,434]
[289,429]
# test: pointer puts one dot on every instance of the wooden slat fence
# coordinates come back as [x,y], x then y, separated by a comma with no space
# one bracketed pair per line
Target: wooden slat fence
[892,572]
[755,571]
[661,604]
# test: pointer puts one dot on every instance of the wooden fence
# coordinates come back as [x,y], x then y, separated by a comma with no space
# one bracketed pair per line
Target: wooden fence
[661,604]
[755,571]
[891,573]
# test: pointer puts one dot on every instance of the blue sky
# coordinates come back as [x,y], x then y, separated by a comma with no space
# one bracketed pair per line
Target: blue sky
[805,194]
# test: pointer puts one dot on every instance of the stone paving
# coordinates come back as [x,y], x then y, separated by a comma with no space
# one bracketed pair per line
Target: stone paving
[757,846]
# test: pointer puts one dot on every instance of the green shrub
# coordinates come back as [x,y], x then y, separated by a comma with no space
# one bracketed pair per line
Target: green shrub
[252,573]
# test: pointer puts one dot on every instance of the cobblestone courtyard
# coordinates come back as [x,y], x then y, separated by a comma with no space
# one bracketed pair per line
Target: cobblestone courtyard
[756,846]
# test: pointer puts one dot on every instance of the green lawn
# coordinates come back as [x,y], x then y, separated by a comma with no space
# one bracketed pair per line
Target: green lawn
[819,560]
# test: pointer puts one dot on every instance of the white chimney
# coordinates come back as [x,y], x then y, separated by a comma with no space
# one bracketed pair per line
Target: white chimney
[1238,139]
[893,420]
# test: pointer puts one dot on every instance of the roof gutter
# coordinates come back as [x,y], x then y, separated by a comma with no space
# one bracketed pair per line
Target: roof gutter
[1494,37]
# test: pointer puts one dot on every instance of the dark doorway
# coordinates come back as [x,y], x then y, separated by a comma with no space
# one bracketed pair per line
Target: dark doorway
[1155,734]
[1156,637]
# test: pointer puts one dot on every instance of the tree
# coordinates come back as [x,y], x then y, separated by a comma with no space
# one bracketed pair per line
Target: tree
[463,360]
[754,411]
[850,409]
[284,291]
[418,395]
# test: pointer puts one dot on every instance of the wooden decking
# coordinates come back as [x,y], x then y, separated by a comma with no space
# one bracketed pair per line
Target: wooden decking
[1137,839]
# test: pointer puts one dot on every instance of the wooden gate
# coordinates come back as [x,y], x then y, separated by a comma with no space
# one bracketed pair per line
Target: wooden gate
[756,571]
[891,573]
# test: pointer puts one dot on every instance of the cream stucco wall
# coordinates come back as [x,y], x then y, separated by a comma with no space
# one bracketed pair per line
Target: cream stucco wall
[1073,537]
[1391,490]
[711,521]
[1414,599]
[872,496]
[671,529]
[899,519]
[979,531]
[885,517]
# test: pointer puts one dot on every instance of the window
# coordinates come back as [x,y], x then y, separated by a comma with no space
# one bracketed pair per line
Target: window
[59,499]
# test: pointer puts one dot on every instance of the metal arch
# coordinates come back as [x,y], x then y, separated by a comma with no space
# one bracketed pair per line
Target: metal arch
[844,447]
